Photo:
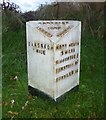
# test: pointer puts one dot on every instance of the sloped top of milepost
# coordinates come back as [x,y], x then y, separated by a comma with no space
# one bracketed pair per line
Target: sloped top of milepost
[54,30]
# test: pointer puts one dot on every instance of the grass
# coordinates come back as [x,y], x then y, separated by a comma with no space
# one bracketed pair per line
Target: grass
[87,102]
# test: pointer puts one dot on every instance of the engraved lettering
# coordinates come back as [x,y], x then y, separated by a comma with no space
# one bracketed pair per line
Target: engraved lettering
[67,75]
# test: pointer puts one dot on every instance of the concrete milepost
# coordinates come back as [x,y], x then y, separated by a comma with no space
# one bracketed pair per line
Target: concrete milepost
[53,56]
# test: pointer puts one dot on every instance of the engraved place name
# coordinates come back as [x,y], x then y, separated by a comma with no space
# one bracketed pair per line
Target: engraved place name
[61,46]
[44,32]
[64,52]
[73,44]
[58,70]
[43,52]
[64,32]
[67,75]
[53,22]
[64,46]
[75,56]
[41,45]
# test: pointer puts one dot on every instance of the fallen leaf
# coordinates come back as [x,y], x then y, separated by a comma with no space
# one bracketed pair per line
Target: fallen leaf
[12,113]
[12,103]
[15,78]
[23,107]
[6,103]
[26,103]
[15,113]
